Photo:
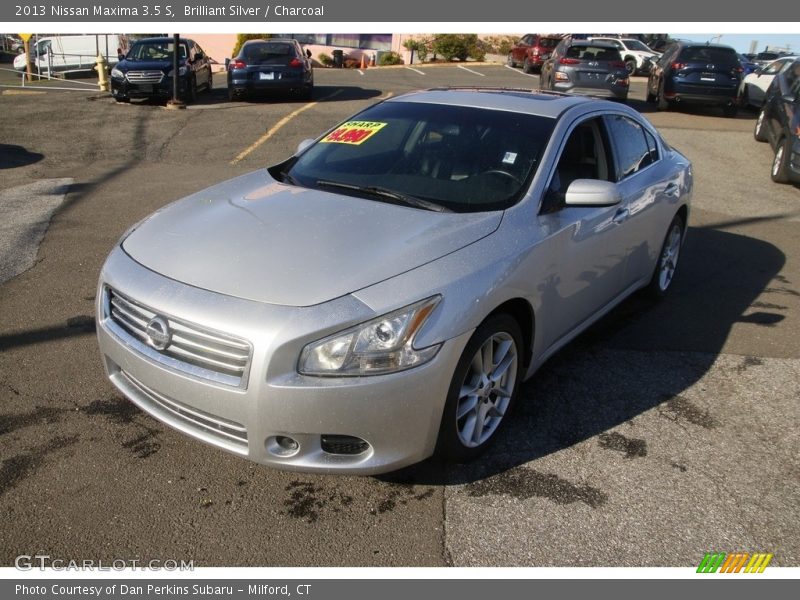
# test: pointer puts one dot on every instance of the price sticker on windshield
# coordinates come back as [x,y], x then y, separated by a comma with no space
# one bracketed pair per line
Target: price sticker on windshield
[353,132]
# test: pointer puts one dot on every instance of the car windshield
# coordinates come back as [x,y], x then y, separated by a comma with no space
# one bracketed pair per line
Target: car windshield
[161,50]
[636,45]
[268,53]
[453,158]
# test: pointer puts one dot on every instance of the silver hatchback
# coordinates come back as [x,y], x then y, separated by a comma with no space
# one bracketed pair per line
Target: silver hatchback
[379,297]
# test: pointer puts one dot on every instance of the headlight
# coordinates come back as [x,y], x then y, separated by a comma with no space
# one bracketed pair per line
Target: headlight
[181,72]
[117,74]
[382,345]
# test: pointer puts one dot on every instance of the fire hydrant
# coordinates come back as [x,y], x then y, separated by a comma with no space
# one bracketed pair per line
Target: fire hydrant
[102,74]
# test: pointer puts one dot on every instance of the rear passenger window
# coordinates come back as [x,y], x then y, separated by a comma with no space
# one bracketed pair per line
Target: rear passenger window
[635,147]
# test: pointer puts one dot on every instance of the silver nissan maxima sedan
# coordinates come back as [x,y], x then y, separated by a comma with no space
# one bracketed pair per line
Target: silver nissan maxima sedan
[379,297]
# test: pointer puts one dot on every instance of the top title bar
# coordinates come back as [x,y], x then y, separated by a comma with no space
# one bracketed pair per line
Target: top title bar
[405,11]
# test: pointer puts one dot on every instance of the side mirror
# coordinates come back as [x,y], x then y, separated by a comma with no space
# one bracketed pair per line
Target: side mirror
[304,144]
[227,63]
[308,53]
[121,56]
[199,56]
[592,192]
[758,71]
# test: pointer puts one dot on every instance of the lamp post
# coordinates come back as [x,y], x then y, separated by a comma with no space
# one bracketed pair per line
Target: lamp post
[175,102]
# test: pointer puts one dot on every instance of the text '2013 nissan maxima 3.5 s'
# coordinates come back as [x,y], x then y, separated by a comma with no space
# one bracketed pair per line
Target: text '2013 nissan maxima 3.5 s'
[378,297]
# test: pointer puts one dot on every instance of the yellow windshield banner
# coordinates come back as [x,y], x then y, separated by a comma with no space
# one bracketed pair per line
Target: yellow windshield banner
[353,132]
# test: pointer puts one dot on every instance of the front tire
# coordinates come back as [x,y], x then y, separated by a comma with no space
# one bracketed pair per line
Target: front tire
[780,164]
[483,390]
[630,66]
[667,263]
[510,60]
[526,66]
[730,111]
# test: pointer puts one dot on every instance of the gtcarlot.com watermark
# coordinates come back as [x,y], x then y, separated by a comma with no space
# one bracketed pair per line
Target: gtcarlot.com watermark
[27,562]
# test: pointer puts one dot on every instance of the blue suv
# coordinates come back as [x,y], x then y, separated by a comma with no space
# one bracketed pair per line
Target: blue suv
[696,73]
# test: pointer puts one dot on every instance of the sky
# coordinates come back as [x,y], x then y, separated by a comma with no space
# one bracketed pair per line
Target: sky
[741,42]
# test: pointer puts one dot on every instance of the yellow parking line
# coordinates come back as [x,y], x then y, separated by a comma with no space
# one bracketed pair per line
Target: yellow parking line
[275,128]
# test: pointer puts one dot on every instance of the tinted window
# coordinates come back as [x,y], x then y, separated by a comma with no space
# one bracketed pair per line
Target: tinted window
[636,45]
[709,54]
[467,159]
[593,53]
[268,53]
[634,151]
[549,42]
[584,156]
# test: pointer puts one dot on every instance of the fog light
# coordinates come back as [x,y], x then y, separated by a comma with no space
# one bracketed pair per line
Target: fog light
[287,443]
[282,445]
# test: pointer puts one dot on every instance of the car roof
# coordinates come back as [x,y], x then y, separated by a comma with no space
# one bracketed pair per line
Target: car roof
[706,45]
[526,101]
[270,41]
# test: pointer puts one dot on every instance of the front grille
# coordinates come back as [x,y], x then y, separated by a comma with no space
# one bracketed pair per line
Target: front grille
[192,349]
[226,433]
[343,444]
[145,76]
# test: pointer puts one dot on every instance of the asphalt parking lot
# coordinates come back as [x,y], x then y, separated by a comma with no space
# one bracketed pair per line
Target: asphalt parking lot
[666,431]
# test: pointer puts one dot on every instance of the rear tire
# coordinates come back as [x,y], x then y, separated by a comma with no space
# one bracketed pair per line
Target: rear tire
[780,164]
[630,66]
[526,66]
[483,390]
[510,60]
[730,111]
[668,256]
[191,91]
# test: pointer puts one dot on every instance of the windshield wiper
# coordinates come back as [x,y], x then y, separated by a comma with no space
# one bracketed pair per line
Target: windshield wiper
[382,192]
[286,178]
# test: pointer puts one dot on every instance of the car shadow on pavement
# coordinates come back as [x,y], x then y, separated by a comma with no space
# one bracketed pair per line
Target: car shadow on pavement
[642,356]
[12,156]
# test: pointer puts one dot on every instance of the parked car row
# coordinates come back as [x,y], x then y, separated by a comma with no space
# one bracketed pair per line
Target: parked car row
[533,50]
[261,66]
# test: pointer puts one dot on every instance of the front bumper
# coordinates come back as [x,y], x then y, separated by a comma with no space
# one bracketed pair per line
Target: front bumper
[617,92]
[162,89]
[242,81]
[398,414]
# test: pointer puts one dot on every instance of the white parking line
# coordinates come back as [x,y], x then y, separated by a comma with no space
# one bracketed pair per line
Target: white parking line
[415,70]
[518,71]
[471,71]
[360,72]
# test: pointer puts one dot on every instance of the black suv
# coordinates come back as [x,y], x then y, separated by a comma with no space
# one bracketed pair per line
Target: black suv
[779,124]
[696,73]
[146,71]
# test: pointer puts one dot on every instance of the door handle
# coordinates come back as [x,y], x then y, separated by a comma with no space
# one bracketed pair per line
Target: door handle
[671,189]
[621,215]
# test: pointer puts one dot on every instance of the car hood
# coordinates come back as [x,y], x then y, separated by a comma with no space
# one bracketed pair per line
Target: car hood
[254,238]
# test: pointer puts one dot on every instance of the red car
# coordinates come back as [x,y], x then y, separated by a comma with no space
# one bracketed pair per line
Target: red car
[532,50]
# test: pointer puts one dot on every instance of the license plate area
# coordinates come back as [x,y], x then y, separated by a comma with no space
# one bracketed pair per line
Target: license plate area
[708,77]
[145,87]
[267,76]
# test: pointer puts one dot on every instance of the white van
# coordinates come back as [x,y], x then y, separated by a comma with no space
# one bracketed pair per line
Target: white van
[64,53]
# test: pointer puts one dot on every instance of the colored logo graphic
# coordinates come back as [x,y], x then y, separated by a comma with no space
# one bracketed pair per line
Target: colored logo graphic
[739,562]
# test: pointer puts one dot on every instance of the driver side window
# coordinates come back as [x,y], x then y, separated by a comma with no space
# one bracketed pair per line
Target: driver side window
[585,155]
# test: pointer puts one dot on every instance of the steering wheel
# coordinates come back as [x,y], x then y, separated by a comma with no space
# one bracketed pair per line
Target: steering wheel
[504,174]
